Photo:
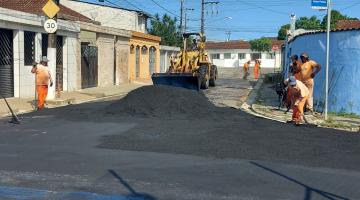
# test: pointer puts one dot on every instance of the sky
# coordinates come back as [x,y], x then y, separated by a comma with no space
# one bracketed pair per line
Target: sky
[244,19]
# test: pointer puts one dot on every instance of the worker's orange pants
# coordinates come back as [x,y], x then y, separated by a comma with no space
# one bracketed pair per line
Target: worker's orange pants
[298,110]
[256,73]
[42,91]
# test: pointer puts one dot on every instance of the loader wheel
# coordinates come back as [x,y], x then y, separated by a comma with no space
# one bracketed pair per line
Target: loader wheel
[213,76]
[204,80]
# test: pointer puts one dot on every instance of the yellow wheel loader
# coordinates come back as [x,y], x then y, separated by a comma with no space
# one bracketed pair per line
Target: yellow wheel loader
[191,68]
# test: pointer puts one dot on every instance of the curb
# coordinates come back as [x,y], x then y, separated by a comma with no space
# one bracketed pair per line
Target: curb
[247,105]
[73,102]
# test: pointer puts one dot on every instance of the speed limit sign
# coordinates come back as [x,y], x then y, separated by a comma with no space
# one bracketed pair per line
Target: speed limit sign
[50,26]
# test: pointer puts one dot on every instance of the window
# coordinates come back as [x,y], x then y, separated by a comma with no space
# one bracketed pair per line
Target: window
[215,56]
[227,55]
[29,47]
[255,56]
[241,56]
[270,56]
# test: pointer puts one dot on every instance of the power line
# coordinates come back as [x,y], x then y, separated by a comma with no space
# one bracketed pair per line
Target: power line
[165,8]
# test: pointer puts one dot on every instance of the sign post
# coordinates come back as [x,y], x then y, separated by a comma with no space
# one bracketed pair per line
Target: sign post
[325,5]
[51,9]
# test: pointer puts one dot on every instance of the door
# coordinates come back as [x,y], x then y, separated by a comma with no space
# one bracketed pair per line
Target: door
[137,65]
[6,63]
[59,63]
[89,66]
[152,58]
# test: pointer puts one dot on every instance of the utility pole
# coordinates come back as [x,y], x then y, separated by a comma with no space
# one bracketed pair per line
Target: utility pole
[51,54]
[203,3]
[327,59]
[228,33]
[186,9]
[181,15]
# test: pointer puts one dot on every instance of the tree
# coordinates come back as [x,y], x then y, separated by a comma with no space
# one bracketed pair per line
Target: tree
[166,29]
[335,17]
[283,31]
[263,44]
[312,23]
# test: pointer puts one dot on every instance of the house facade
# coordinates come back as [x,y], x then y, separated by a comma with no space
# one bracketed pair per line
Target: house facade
[24,41]
[143,49]
[236,53]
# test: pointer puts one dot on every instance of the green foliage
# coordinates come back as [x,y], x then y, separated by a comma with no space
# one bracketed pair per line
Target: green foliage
[263,44]
[165,27]
[282,32]
[335,17]
[311,23]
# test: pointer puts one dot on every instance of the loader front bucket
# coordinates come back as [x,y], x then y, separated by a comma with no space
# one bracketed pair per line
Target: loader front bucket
[184,80]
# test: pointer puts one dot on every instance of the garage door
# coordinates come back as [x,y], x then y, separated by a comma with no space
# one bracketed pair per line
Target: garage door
[6,63]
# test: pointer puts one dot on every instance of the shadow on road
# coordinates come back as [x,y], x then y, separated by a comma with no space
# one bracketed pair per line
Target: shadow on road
[133,193]
[309,191]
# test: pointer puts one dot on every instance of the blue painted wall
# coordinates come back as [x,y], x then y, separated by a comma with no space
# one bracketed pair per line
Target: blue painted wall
[344,69]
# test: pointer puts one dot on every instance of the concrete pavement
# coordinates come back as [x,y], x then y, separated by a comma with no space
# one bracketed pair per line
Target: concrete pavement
[80,152]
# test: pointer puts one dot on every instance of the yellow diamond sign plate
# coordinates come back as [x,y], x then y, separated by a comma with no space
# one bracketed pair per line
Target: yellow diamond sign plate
[51,9]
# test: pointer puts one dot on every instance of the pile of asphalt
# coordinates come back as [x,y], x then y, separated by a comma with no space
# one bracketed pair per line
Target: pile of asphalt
[162,102]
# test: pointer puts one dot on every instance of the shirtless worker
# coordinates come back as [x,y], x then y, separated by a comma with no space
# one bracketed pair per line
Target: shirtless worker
[246,69]
[309,69]
[43,77]
[300,95]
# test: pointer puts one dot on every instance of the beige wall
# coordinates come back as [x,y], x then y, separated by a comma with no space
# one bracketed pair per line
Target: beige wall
[122,60]
[105,44]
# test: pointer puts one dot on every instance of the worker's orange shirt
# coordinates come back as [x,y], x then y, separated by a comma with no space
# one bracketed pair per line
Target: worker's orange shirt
[307,69]
[246,67]
[42,74]
[300,90]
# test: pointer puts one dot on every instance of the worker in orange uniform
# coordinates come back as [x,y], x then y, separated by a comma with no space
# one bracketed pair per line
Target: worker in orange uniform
[309,69]
[295,69]
[257,69]
[300,94]
[43,76]
[246,69]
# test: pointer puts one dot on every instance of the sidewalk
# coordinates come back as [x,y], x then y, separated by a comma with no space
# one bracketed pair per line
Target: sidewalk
[263,102]
[24,105]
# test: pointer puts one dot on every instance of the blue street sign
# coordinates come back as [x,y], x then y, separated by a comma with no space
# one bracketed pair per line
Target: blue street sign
[319,4]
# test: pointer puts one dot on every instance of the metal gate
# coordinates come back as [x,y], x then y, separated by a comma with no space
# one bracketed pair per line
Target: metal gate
[6,63]
[59,58]
[137,67]
[152,57]
[89,66]
[59,63]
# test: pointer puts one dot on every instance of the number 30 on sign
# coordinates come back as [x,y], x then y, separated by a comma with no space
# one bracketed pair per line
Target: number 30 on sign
[50,26]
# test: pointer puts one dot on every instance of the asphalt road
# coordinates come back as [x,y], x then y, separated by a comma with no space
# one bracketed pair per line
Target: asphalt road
[79,152]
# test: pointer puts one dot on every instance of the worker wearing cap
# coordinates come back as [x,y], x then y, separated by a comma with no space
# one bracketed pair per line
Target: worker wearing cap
[295,69]
[309,69]
[300,94]
[43,77]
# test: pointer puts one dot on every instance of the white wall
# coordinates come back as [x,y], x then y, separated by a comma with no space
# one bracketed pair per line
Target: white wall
[235,62]
[110,17]
[24,80]
[70,53]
